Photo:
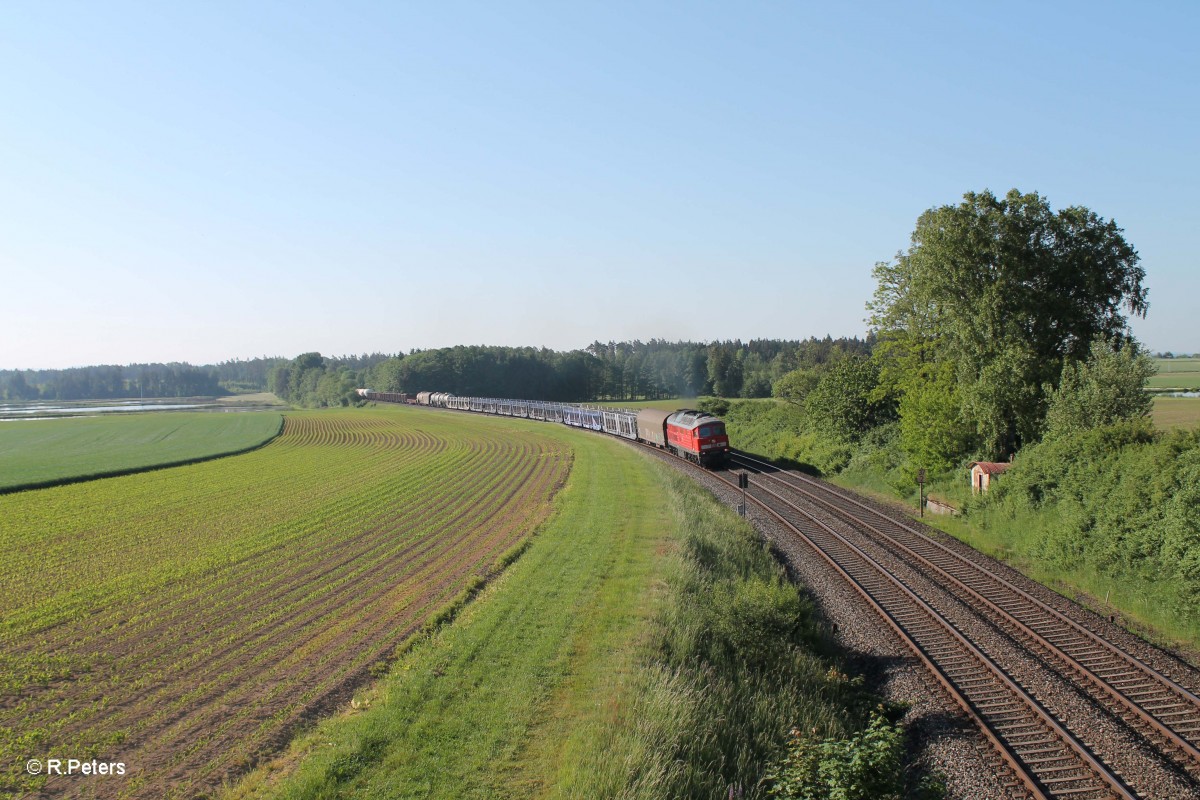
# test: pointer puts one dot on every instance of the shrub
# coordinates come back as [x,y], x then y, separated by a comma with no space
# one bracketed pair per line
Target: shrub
[865,766]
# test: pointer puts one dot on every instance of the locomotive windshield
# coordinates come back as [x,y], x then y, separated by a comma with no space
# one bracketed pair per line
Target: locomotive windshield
[712,430]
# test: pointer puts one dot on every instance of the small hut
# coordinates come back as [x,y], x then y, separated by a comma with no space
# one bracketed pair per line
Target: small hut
[984,472]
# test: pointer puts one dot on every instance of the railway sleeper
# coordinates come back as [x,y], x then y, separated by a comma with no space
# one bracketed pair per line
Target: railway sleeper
[1067,768]
[1032,761]
[1154,709]
[1185,713]
[1099,651]
[990,696]
[1047,750]
[1040,738]
[1128,681]
[953,662]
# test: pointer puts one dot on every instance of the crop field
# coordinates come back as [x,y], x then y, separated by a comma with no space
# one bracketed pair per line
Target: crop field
[186,621]
[52,450]
[1176,373]
[1176,412]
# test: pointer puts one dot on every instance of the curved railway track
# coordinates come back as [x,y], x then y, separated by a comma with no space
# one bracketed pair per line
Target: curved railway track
[1042,758]
[1156,705]
[935,598]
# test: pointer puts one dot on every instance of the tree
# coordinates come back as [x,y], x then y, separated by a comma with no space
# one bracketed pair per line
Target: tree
[1006,291]
[796,385]
[1107,388]
[16,389]
[932,432]
[725,369]
[842,400]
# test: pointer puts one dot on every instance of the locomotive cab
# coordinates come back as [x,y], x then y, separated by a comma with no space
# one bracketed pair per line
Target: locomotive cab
[698,436]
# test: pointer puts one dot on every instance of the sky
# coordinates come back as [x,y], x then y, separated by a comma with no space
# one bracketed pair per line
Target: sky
[207,181]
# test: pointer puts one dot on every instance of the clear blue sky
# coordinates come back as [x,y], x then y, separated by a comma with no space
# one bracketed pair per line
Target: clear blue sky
[201,181]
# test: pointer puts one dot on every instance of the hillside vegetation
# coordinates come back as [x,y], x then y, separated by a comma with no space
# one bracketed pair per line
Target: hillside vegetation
[1115,511]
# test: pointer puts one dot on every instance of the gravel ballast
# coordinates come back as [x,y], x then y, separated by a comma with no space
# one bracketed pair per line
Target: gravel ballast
[944,742]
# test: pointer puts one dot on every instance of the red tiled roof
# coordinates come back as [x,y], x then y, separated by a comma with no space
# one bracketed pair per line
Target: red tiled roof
[992,467]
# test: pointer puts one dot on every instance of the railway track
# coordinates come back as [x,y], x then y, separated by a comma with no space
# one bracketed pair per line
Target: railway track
[1166,713]
[978,635]
[1041,757]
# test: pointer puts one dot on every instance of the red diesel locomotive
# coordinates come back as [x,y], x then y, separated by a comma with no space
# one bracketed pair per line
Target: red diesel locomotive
[695,435]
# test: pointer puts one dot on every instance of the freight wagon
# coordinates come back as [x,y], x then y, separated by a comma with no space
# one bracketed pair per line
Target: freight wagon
[695,435]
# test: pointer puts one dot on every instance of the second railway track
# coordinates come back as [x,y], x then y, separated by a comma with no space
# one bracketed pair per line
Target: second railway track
[1032,743]
[1155,704]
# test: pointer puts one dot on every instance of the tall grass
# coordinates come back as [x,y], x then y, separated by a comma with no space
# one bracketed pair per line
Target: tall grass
[734,661]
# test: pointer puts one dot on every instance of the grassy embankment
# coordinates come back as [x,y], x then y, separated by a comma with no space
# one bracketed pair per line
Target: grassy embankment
[1111,518]
[645,645]
[51,451]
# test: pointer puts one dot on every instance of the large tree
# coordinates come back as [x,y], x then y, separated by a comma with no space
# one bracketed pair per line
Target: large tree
[1006,291]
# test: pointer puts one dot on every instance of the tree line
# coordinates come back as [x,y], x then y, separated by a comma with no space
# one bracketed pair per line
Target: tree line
[110,382]
[601,371]
[610,371]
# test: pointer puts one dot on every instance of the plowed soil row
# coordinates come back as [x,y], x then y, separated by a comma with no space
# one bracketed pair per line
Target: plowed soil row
[185,622]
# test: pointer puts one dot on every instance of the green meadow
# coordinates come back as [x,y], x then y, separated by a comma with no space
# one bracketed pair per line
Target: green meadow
[1175,373]
[49,451]
[1176,412]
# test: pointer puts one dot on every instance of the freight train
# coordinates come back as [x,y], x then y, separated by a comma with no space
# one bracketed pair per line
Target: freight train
[695,435]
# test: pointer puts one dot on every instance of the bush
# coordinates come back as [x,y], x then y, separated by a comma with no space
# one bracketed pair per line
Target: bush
[1122,500]
[866,766]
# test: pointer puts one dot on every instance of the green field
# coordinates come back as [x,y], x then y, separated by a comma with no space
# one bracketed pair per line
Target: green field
[1176,373]
[47,451]
[186,620]
[646,645]
[1176,412]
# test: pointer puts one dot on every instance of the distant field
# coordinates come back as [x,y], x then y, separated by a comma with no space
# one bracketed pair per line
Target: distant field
[1176,373]
[185,621]
[1176,412]
[48,450]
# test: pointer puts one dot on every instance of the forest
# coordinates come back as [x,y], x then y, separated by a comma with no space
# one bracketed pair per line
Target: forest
[613,371]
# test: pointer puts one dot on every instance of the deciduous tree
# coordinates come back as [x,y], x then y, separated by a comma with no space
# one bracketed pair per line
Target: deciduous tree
[1007,291]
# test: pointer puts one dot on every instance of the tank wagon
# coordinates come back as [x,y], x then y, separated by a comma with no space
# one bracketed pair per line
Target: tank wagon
[695,435]
[385,397]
